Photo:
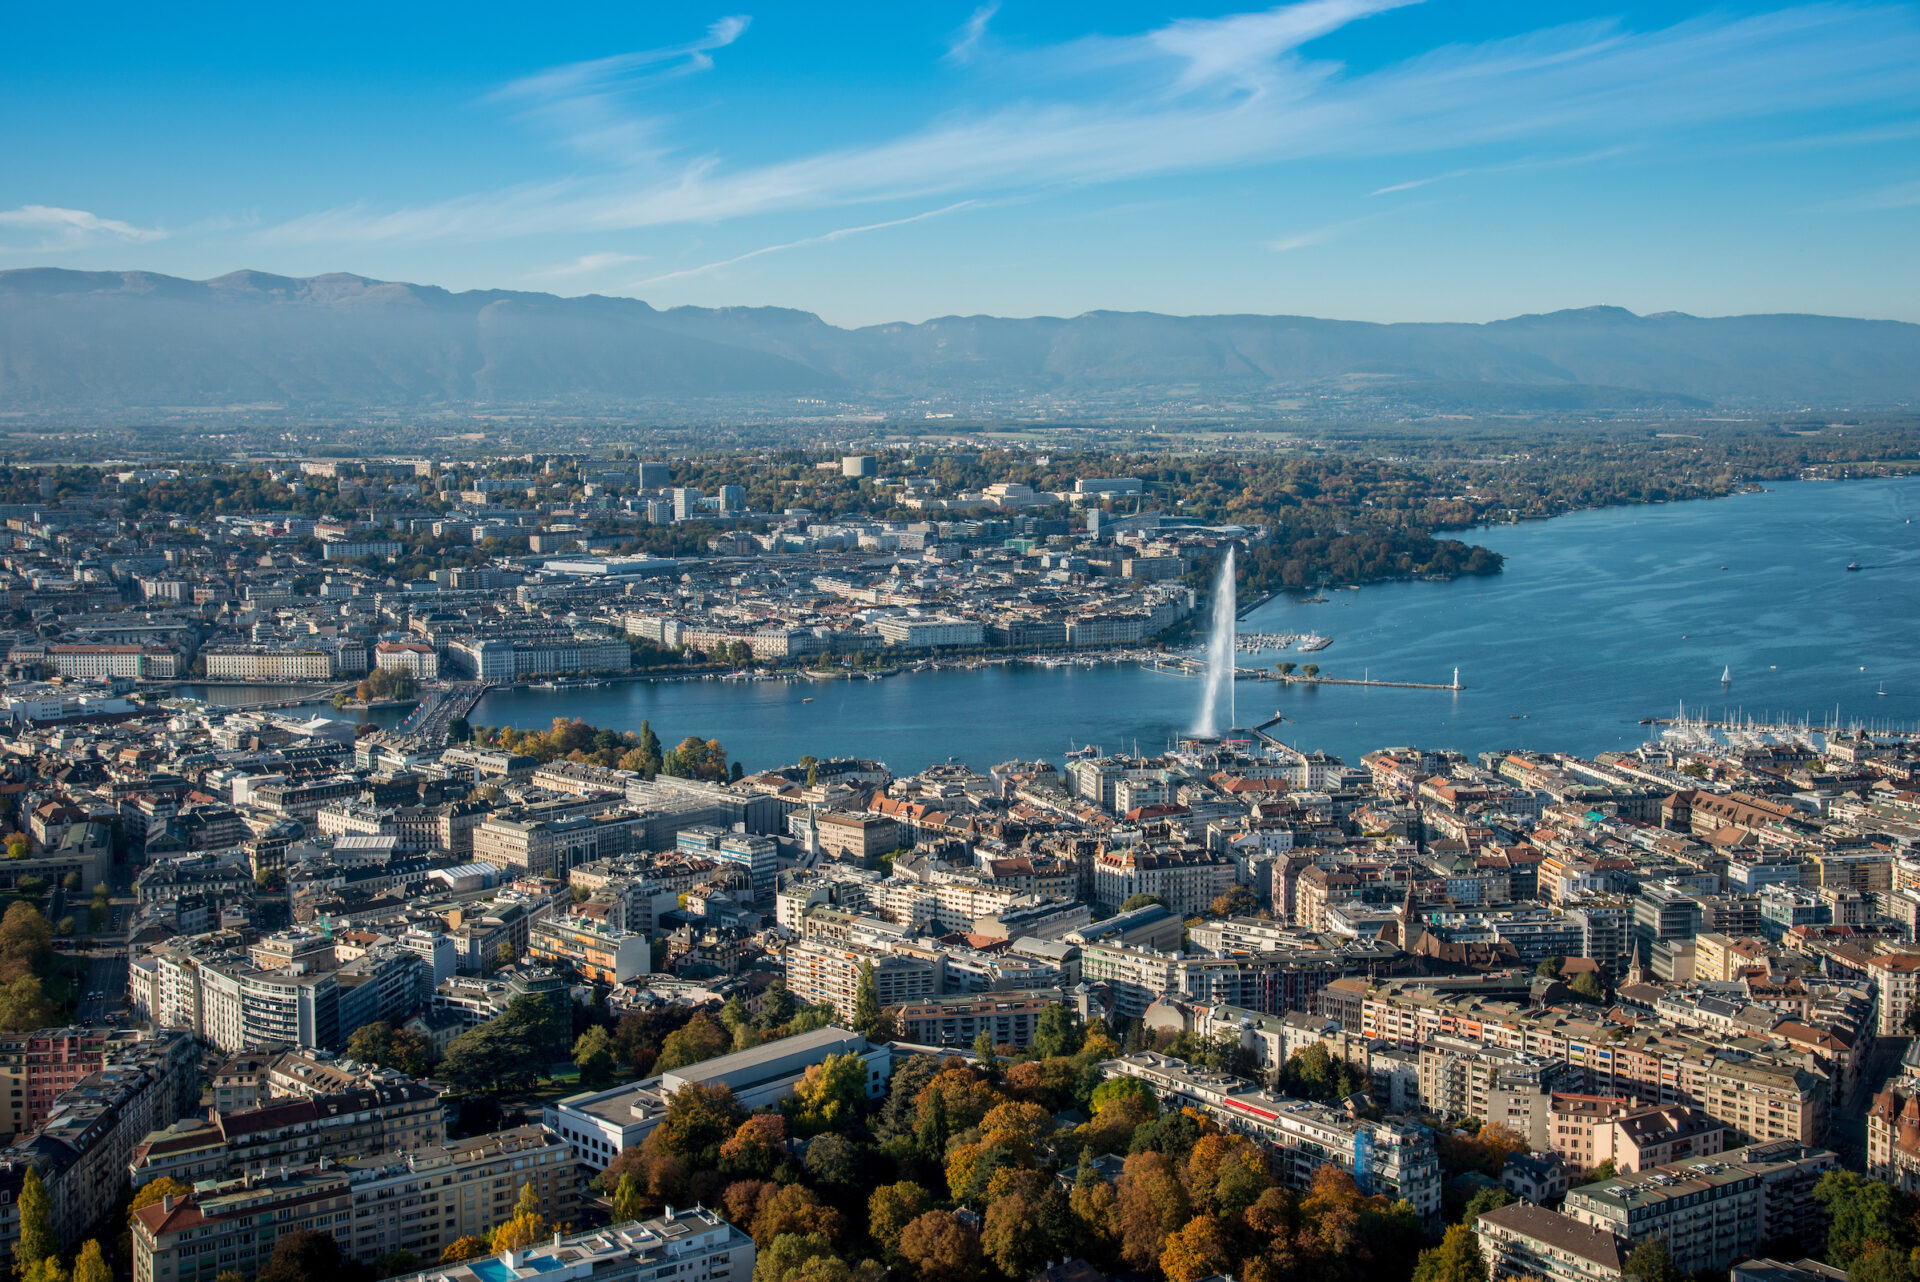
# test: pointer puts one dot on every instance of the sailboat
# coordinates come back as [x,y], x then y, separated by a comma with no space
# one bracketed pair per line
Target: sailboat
[1883,689]
[1726,675]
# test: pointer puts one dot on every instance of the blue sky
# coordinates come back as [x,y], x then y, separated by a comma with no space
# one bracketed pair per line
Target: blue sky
[1368,159]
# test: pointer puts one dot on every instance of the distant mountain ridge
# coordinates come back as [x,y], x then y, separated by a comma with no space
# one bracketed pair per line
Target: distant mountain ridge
[100,342]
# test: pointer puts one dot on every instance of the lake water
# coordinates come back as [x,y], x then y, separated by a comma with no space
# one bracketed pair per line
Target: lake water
[1600,619]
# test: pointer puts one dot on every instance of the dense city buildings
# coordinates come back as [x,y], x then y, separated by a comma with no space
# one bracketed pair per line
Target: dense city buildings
[274,962]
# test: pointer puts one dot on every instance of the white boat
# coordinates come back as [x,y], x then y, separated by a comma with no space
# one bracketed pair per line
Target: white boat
[1726,675]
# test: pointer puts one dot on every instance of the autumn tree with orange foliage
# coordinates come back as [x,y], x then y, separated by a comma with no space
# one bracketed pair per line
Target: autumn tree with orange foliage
[937,1247]
[1485,1151]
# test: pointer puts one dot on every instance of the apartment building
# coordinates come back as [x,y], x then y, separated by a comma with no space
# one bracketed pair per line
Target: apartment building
[1577,1131]
[855,838]
[360,1122]
[1188,881]
[943,903]
[420,1200]
[1762,1090]
[543,847]
[37,1068]
[1896,981]
[411,658]
[133,662]
[1266,982]
[233,1003]
[1009,1019]
[1460,1079]
[598,952]
[1893,1137]
[829,975]
[82,1148]
[1713,1210]
[494,659]
[266,663]
[694,1245]
[1523,1241]
[1398,1161]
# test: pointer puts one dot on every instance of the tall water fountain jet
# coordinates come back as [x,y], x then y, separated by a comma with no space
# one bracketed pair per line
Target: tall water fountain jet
[1220,656]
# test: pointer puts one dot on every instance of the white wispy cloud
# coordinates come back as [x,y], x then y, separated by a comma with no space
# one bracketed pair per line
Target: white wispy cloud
[1191,96]
[966,43]
[588,264]
[585,103]
[59,228]
[1525,162]
[840,233]
[596,74]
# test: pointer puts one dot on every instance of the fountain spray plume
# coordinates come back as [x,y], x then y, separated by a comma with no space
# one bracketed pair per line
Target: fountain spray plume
[1220,655]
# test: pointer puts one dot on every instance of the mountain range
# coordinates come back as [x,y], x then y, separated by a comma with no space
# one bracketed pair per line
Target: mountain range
[120,343]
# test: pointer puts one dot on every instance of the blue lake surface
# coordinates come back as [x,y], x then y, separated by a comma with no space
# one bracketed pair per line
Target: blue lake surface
[1600,619]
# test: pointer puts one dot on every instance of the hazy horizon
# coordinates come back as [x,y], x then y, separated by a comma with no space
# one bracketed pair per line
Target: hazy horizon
[1372,160]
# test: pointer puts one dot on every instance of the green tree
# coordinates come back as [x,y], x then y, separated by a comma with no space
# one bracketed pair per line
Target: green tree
[1057,1033]
[157,1190]
[1865,1213]
[1237,901]
[891,1208]
[395,1263]
[866,1001]
[490,1057]
[25,936]
[1141,901]
[1651,1261]
[467,1248]
[301,1256]
[834,1162]
[526,1227]
[1314,1072]
[1586,986]
[1883,1264]
[1488,1199]
[36,1242]
[384,1046]
[1550,968]
[91,1265]
[593,1056]
[829,1095]
[1124,1088]
[930,1137]
[459,731]
[1457,1259]
[798,1257]
[699,1120]
[628,1205]
[701,1038]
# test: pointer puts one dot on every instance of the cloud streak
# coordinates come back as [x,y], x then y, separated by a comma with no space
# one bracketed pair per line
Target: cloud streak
[1193,96]
[73,228]
[588,264]
[1526,162]
[966,44]
[838,234]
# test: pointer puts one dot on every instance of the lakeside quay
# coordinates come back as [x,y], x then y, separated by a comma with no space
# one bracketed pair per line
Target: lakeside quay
[1600,620]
